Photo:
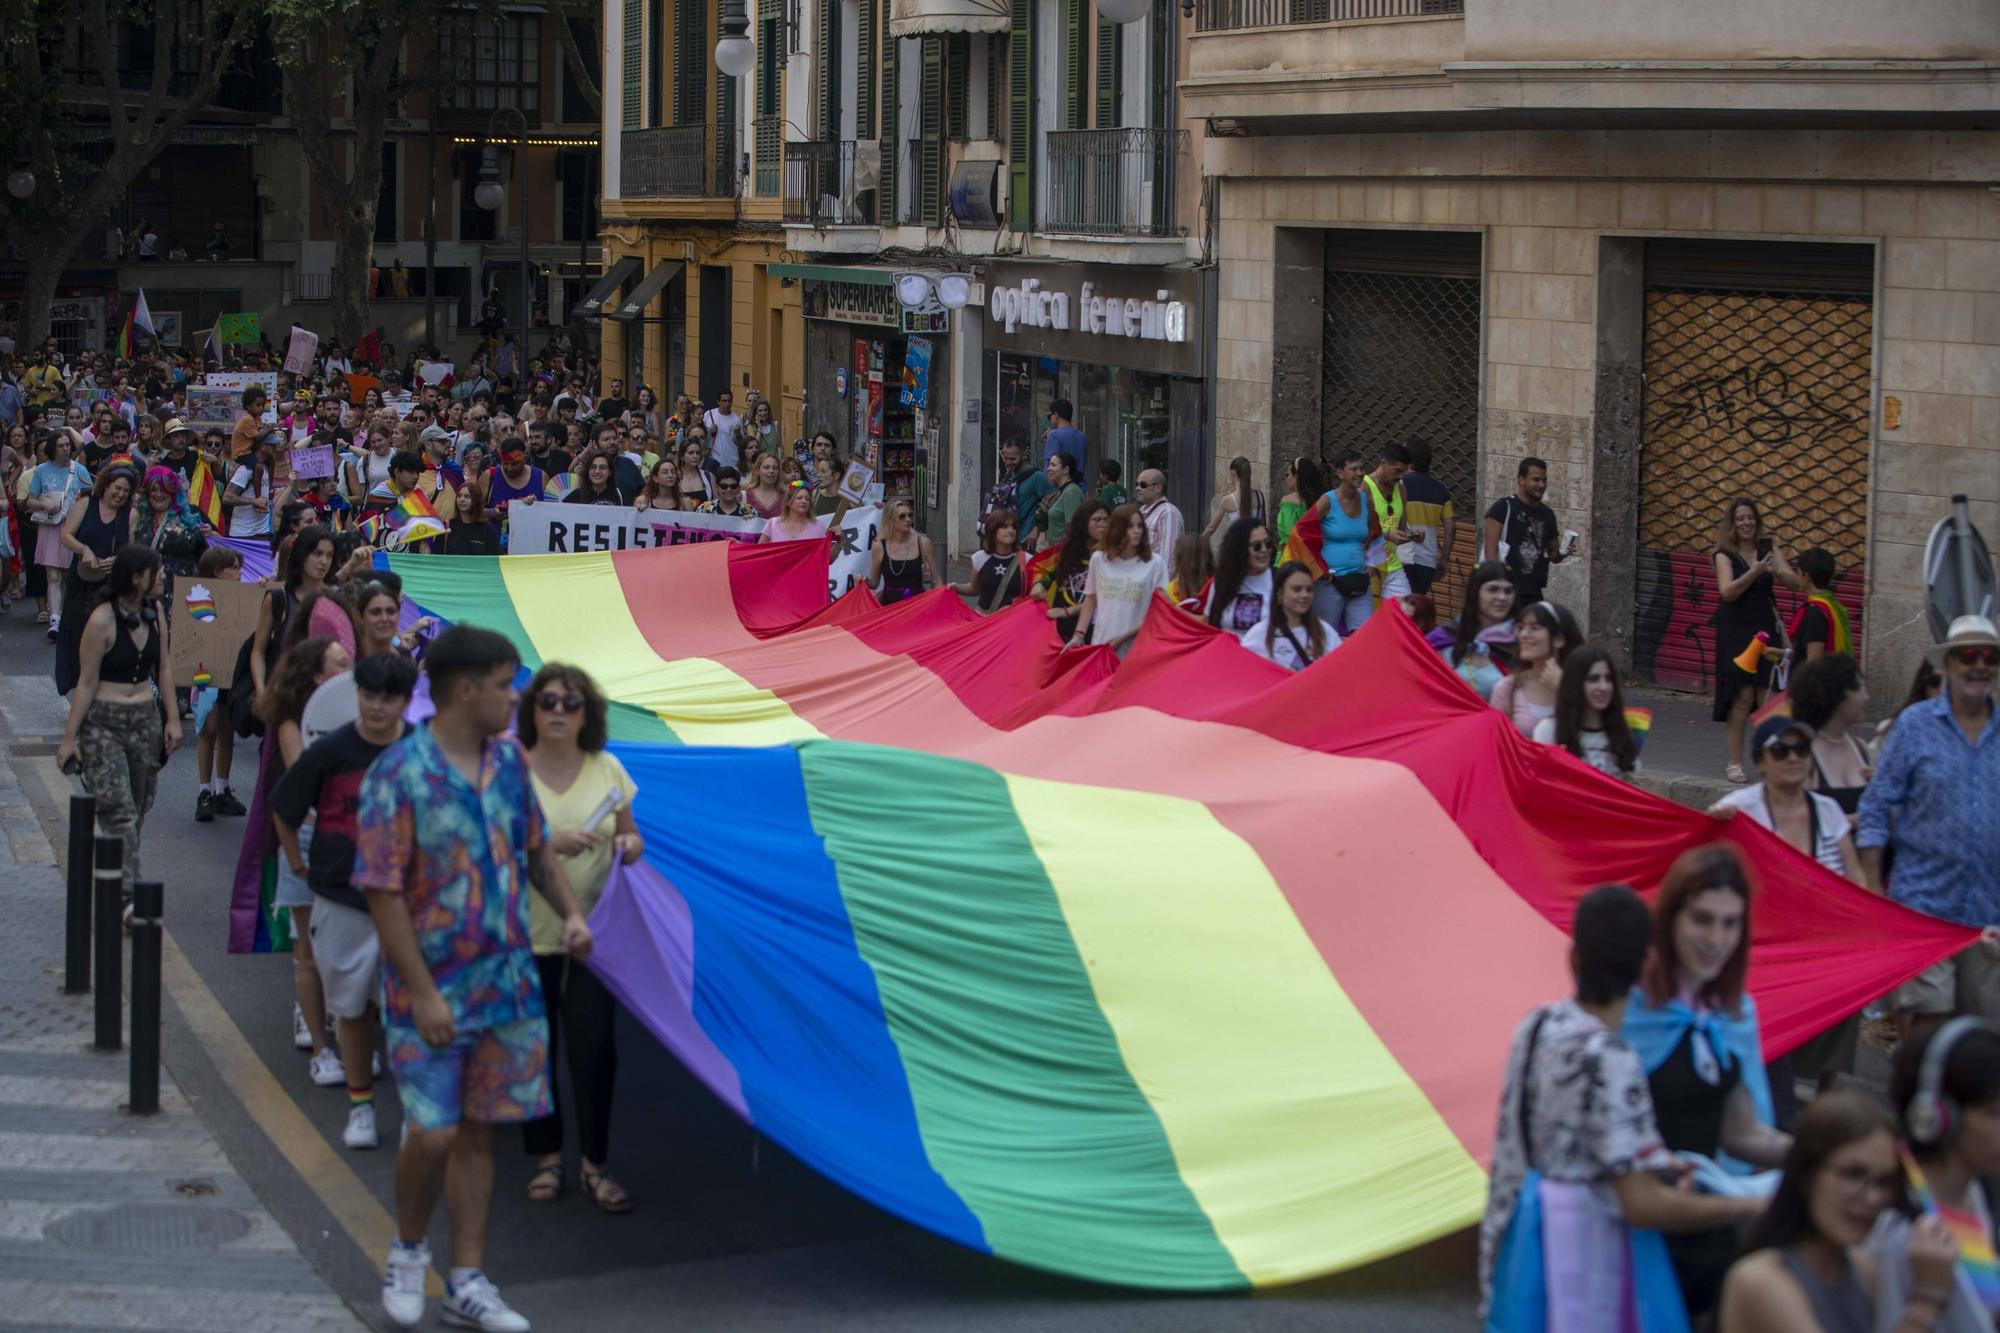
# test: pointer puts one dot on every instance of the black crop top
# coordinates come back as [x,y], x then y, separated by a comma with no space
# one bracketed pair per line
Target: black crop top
[125,662]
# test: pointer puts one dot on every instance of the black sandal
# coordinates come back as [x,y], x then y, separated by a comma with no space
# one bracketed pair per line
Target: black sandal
[605,1192]
[546,1185]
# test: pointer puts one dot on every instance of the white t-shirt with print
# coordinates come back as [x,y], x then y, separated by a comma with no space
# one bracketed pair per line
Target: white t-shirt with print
[1124,589]
[247,520]
[1252,604]
[722,437]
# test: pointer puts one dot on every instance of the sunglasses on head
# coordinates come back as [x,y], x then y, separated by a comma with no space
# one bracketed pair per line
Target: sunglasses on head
[552,701]
[1976,656]
[1788,749]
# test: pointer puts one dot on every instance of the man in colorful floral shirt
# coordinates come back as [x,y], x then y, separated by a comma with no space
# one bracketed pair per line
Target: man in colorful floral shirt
[448,838]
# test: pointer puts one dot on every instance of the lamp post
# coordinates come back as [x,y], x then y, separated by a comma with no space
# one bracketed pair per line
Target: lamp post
[735,54]
[489,194]
[21,178]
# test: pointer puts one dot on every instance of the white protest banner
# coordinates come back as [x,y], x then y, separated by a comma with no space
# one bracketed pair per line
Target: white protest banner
[549,527]
[239,380]
[299,354]
[434,372]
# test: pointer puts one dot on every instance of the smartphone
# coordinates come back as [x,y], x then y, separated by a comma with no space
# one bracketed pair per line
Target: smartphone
[73,766]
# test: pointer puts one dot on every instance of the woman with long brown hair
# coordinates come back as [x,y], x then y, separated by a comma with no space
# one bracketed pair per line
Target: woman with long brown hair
[1694,1027]
[1118,589]
[1060,583]
[1746,562]
[92,534]
[1240,501]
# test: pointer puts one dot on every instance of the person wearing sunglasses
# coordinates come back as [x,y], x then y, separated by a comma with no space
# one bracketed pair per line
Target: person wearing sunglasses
[563,728]
[1933,799]
[1240,596]
[1784,803]
[728,501]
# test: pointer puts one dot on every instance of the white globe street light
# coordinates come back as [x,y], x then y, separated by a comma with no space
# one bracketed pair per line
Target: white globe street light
[1124,11]
[20,182]
[735,55]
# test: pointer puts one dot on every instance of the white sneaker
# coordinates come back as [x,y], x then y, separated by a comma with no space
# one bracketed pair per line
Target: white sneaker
[327,1071]
[403,1282]
[302,1036]
[476,1304]
[360,1131]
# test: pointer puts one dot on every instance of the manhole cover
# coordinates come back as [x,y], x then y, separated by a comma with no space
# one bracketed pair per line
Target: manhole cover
[149,1228]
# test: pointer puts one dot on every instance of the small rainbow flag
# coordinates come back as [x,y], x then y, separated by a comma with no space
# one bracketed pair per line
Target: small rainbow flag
[204,494]
[414,516]
[1778,705]
[201,676]
[1639,721]
[201,603]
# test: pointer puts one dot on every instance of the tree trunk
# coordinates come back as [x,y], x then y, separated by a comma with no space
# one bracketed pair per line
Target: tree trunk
[353,254]
[38,293]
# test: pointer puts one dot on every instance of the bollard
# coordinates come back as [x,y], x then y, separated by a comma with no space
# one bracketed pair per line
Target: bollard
[76,922]
[148,898]
[110,925]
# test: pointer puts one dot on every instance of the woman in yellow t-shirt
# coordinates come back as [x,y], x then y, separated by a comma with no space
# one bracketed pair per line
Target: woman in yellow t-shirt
[562,726]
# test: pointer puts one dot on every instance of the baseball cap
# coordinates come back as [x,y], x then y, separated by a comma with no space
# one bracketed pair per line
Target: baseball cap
[1776,728]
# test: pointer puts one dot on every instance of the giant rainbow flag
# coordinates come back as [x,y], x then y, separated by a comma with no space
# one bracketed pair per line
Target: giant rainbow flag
[1180,972]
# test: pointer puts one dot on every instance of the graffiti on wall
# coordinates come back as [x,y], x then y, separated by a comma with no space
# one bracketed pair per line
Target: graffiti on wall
[1674,642]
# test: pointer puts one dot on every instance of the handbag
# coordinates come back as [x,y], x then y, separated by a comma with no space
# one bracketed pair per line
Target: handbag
[55,517]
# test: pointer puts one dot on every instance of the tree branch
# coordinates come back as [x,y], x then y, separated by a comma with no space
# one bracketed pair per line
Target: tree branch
[560,11]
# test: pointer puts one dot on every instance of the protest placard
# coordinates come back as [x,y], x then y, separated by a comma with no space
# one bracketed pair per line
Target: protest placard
[312,460]
[854,483]
[210,619]
[238,381]
[213,407]
[299,354]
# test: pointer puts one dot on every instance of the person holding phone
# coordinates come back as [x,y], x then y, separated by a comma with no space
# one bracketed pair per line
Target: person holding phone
[1746,562]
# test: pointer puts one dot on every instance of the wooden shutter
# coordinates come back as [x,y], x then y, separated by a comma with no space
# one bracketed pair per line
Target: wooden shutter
[690,61]
[724,136]
[1021,117]
[1110,71]
[892,151]
[1076,100]
[634,66]
[957,68]
[829,69]
[930,132]
[864,72]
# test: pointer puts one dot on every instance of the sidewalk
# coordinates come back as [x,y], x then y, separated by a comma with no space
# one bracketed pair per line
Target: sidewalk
[107,1220]
[1686,751]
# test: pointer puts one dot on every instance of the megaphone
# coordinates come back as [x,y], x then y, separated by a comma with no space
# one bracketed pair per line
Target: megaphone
[1753,654]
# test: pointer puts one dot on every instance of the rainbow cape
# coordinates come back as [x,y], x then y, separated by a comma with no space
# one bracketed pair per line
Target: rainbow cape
[1836,616]
[1101,966]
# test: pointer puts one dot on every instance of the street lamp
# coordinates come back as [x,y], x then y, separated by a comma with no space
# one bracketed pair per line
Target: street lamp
[490,194]
[1124,11]
[21,180]
[734,54]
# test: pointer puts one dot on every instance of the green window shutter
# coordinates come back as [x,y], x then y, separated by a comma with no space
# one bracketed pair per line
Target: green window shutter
[892,151]
[930,129]
[691,53]
[829,69]
[995,81]
[1021,117]
[726,148]
[1110,71]
[864,72]
[634,65]
[958,64]
[1160,28]
[1076,76]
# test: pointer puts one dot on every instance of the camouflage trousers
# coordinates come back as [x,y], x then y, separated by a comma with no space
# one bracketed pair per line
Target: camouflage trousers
[119,746]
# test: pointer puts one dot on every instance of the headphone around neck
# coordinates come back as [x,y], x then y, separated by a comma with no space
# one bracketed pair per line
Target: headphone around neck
[1933,1118]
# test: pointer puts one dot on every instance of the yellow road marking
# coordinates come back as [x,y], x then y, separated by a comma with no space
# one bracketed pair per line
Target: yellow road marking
[360,1214]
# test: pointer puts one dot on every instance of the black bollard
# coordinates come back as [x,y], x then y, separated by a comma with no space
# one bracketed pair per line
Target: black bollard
[148,898]
[110,925]
[76,921]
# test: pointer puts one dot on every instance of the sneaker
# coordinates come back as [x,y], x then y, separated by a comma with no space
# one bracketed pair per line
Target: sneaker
[41,617]
[327,1071]
[360,1131]
[204,809]
[403,1282]
[475,1303]
[227,804]
[55,628]
[302,1036]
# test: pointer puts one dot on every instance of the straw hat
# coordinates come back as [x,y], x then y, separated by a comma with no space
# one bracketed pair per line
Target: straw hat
[175,426]
[1966,632]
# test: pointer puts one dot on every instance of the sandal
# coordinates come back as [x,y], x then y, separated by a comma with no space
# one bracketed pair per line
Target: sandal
[1736,774]
[605,1192]
[546,1185]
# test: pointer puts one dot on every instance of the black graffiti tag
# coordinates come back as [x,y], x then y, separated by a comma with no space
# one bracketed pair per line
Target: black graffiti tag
[1758,402]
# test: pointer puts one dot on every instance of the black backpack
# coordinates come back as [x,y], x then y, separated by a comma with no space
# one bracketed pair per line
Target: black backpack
[242,685]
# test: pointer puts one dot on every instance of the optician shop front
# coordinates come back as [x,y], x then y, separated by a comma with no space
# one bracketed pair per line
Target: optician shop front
[1128,345]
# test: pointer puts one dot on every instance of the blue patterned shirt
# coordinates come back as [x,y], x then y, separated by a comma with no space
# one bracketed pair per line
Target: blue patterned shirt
[459,856]
[1936,798]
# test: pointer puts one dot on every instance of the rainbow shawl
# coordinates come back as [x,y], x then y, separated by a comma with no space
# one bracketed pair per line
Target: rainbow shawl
[935,983]
[1842,640]
[1975,1243]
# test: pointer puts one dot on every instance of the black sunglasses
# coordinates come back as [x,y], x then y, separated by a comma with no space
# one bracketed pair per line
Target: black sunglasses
[1788,749]
[551,702]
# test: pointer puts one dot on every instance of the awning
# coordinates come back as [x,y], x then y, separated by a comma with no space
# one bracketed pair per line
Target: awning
[867,277]
[916,18]
[607,286]
[634,306]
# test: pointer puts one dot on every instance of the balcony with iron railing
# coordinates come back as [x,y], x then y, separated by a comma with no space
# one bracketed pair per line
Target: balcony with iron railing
[1225,15]
[678,162]
[823,187]
[1112,182]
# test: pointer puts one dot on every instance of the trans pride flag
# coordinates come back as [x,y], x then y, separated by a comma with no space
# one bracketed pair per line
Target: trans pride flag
[1183,972]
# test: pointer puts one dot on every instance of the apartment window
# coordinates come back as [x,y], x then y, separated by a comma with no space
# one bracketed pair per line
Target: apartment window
[385,201]
[575,106]
[476,223]
[492,63]
[576,168]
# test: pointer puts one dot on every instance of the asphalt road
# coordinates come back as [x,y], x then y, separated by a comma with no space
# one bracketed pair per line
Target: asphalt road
[730,1233]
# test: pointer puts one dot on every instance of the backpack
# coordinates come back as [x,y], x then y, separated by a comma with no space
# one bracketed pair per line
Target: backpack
[242,685]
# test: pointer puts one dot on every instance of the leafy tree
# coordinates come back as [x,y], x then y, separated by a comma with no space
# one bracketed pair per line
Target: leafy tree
[60,82]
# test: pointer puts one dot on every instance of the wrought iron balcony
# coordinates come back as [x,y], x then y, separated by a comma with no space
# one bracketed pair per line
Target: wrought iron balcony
[1223,15]
[677,162]
[1114,182]
[822,188]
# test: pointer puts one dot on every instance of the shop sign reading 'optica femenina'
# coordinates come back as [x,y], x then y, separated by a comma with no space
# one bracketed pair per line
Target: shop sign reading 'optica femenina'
[1077,311]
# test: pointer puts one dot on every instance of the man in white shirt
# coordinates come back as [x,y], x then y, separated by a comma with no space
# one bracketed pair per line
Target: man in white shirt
[723,425]
[1164,523]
